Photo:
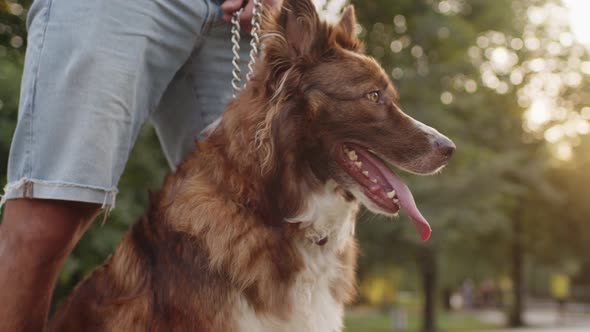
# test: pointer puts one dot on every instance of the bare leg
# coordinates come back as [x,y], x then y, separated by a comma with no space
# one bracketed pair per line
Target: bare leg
[36,236]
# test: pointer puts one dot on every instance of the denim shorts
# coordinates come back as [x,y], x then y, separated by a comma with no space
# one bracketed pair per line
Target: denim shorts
[95,71]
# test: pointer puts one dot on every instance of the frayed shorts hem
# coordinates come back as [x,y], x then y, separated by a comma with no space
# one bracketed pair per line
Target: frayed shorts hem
[39,189]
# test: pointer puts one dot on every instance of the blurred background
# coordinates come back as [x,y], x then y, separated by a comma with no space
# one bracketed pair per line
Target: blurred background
[509,82]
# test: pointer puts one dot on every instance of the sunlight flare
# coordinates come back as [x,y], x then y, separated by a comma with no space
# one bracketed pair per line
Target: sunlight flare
[538,114]
[578,18]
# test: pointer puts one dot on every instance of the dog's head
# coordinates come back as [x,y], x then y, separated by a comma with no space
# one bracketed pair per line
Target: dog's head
[335,108]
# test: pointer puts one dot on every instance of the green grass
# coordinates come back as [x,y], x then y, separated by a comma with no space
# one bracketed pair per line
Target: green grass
[366,320]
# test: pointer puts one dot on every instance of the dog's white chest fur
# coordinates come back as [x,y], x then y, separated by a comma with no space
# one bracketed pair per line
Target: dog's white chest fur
[329,215]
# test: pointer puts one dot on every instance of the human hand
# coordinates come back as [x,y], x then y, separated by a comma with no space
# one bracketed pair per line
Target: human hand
[231,6]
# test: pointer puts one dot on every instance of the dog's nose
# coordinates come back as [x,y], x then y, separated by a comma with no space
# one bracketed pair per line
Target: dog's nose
[445,146]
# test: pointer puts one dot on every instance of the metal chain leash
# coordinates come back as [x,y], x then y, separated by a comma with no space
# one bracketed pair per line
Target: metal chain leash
[254,45]
[235,40]
[255,33]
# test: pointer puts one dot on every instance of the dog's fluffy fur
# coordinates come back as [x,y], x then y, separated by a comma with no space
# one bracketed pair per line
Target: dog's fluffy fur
[255,230]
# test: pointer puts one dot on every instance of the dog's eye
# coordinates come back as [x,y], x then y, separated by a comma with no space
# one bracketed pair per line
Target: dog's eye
[374,96]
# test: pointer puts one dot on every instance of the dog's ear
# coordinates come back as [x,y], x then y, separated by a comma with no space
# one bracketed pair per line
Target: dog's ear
[344,33]
[348,20]
[300,25]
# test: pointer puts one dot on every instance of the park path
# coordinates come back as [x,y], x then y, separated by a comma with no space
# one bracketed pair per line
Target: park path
[542,317]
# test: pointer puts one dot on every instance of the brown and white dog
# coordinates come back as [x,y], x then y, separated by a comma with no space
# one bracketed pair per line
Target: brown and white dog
[255,231]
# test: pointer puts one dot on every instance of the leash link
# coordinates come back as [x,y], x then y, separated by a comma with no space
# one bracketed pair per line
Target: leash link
[235,40]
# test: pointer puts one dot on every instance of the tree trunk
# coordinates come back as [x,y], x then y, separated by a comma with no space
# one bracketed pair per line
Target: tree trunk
[428,268]
[517,266]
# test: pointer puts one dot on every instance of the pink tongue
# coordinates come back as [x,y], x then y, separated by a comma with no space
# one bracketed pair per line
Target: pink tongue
[406,201]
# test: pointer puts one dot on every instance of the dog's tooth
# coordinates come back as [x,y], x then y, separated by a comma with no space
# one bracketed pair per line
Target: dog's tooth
[359,164]
[374,180]
[375,188]
[395,200]
[366,173]
[391,194]
[352,155]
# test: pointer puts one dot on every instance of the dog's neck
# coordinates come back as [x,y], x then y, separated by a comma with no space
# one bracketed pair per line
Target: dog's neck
[287,192]
[264,176]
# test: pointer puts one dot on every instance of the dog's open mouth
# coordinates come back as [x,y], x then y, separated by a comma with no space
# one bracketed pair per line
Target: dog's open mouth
[380,184]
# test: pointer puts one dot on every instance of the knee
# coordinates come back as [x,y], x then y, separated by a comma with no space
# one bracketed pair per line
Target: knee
[44,228]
